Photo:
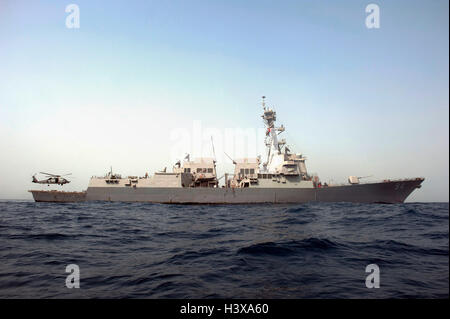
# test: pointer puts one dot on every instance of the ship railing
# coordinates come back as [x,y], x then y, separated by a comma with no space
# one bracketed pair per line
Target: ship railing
[386,180]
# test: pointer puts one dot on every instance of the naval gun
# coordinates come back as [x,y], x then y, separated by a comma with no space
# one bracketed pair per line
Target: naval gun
[354,180]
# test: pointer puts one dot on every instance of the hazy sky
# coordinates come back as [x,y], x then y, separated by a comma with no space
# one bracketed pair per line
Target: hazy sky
[355,101]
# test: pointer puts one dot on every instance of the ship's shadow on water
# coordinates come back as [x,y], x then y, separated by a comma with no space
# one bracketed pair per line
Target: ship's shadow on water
[137,250]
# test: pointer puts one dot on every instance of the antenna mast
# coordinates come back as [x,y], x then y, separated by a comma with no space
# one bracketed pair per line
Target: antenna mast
[214,152]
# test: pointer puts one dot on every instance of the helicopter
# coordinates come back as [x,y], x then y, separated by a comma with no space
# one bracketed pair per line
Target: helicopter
[52,179]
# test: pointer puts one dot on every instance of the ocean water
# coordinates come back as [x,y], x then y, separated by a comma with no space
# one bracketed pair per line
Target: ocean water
[315,250]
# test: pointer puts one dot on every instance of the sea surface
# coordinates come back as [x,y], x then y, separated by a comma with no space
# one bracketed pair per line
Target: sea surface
[317,250]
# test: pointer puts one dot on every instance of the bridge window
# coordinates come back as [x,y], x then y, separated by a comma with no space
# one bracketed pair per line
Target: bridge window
[252,171]
[246,171]
[210,170]
[199,170]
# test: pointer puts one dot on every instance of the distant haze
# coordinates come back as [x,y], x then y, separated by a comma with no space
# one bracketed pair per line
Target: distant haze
[115,92]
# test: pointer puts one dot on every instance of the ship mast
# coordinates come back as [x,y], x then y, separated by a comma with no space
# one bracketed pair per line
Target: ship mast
[273,145]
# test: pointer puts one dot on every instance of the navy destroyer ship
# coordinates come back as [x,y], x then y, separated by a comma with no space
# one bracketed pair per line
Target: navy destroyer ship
[281,178]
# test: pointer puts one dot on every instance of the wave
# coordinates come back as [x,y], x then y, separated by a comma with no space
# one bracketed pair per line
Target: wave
[44,236]
[401,247]
[289,247]
[191,255]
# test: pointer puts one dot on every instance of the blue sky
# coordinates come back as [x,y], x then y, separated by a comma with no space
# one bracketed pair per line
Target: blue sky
[356,101]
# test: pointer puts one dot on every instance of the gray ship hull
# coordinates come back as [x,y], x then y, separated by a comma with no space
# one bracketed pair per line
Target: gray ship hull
[58,196]
[384,192]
